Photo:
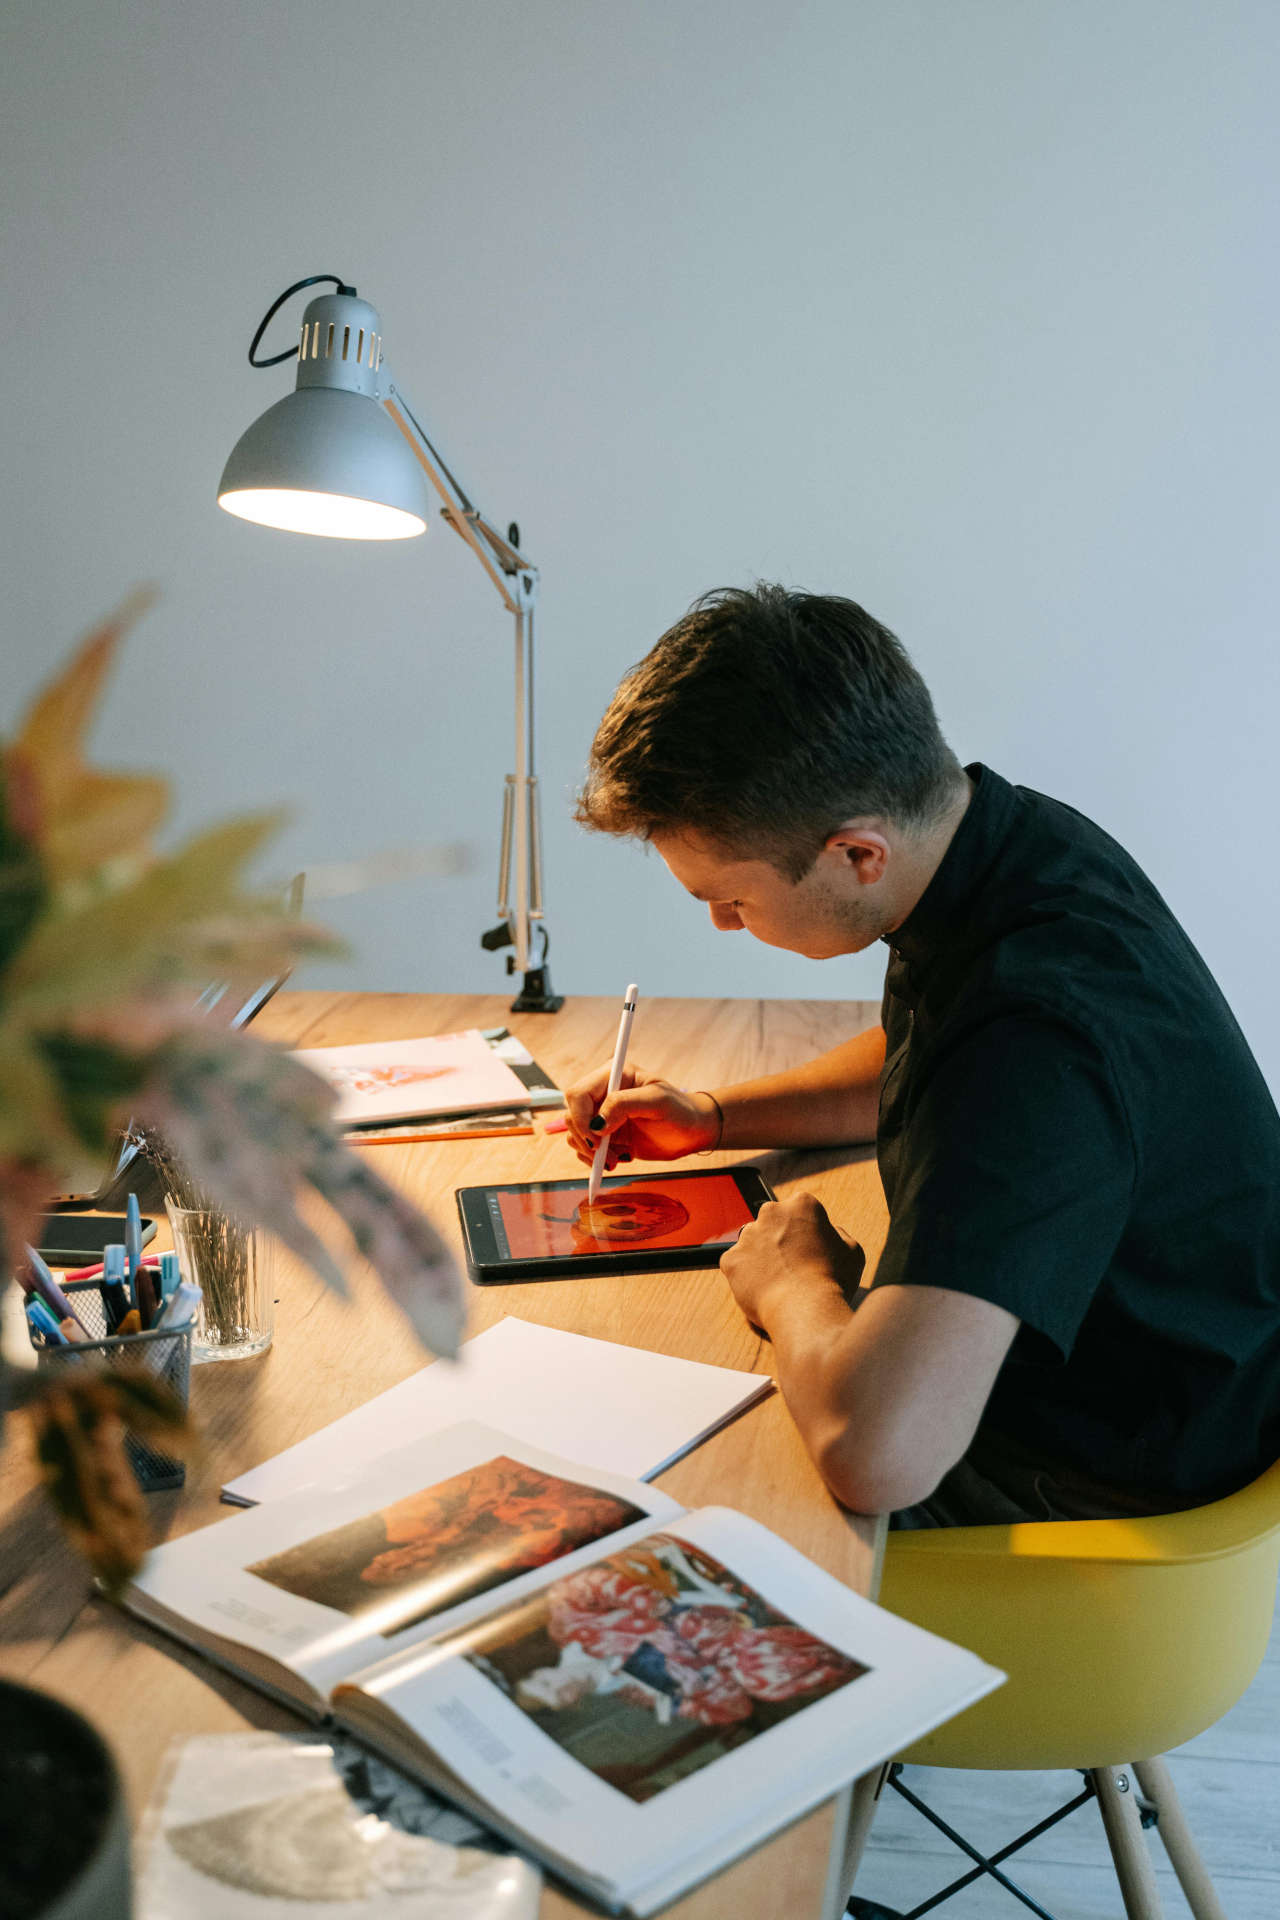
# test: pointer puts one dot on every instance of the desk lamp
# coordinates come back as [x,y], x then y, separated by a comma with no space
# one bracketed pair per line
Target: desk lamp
[344,456]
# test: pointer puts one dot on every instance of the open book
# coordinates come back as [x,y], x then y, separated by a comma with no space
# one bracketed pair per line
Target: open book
[633,1693]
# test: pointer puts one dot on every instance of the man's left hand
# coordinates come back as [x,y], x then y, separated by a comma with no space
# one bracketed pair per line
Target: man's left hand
[791,1245]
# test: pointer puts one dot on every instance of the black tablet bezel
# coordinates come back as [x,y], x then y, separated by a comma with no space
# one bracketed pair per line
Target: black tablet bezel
[77,1239]
[487,1269]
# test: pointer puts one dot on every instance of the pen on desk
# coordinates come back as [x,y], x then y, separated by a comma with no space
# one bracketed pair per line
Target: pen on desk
[115,1301]
[615,1076]
[43,1283]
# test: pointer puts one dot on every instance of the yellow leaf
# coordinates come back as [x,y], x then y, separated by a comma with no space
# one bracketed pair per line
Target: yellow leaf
[32,1125]
[53,732]
[136,939]
[102,817]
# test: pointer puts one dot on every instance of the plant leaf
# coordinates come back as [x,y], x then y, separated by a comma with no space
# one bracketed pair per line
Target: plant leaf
[132,940]
[95,1078]
[250,1124]
[79,1421]
[102,818]
[83,816]
[24,886]
[56,722]
[33,1125]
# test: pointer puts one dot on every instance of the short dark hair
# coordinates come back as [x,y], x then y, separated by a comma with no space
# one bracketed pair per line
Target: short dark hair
[765,718]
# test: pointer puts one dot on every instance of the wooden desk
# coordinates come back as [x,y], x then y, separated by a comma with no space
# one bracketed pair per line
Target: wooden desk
[329,1356]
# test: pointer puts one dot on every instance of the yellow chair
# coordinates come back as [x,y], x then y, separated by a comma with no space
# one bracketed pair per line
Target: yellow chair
[1121,1639]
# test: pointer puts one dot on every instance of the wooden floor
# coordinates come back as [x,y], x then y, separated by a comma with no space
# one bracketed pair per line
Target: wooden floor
[1228,1781]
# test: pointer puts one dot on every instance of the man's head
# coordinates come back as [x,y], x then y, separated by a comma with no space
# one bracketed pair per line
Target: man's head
[782,753]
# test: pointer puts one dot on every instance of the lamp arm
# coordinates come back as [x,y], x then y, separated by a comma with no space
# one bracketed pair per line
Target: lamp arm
[516,579]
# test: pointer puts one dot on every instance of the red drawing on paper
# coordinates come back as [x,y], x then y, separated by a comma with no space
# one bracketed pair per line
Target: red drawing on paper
[378,1079]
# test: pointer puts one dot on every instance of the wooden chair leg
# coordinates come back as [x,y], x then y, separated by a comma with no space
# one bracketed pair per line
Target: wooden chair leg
[864,1797]
[1123,1824]
[1184,1856]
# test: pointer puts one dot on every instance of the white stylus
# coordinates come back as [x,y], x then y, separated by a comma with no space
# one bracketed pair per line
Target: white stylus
[615,1076]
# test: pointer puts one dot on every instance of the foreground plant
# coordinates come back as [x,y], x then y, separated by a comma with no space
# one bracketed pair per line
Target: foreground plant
[104,945]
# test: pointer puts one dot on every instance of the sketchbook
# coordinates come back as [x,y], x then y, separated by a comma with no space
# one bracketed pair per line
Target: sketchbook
[621,1408]
[633,1693]
[383,1082]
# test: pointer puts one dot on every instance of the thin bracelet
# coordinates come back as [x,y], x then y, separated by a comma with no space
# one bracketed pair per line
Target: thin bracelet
[715,1146]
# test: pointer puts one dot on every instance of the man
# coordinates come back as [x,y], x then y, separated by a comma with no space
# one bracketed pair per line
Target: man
[1077,1311]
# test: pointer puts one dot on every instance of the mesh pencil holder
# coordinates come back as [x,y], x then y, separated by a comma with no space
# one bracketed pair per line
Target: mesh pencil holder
[164,1352]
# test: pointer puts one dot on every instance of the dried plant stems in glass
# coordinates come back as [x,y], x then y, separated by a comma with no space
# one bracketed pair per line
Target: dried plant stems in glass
[232,1263]
[234,1267]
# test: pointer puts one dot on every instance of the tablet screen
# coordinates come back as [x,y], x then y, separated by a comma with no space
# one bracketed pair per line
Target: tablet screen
[555,1219]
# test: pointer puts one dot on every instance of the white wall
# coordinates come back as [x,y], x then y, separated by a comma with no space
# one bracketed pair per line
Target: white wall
[967,310]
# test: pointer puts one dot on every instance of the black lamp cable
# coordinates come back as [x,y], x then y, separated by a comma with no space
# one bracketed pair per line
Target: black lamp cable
[315,280]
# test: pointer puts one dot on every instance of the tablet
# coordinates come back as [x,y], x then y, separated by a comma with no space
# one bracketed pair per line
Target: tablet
[75,1239]
[643,1223]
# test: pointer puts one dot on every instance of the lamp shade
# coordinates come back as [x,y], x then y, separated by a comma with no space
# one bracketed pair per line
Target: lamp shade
[321,461]
[327,459]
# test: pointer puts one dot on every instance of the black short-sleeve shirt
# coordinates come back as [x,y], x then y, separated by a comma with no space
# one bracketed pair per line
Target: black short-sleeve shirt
[1073,1127]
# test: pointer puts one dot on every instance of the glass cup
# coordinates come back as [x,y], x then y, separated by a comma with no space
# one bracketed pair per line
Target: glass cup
[234,1267]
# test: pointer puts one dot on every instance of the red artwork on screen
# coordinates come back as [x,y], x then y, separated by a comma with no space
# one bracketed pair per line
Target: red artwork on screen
[707,1211]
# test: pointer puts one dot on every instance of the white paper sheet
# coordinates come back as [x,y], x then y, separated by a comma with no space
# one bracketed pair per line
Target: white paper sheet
[619,1408]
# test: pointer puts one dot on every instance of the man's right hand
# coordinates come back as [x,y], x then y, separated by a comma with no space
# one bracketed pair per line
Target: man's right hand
[646,1119]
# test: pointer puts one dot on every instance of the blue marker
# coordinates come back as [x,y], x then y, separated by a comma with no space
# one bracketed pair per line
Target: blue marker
[169,1274]
[41,1319]
[133,1243]
[115,1300]
[181,1307]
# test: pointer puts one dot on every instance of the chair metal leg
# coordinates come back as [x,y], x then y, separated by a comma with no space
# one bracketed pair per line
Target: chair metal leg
[1119,1807]
[1184,1856]
[984,1865]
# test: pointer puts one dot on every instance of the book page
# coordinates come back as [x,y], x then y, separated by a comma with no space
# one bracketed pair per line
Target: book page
[394,1079]
[327,1581]
[624,1409]
[671,1701]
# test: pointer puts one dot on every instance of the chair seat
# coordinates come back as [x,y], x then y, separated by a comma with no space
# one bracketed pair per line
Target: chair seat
[1121,1638]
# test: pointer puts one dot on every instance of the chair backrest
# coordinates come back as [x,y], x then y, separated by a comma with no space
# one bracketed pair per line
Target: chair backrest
[1121,1638]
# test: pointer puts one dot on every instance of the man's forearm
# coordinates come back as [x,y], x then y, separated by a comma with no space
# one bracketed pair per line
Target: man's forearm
[828,1102]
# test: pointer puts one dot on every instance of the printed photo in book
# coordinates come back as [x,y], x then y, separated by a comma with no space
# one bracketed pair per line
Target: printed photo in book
[445,1544]
[306,1589]
[654,1662]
